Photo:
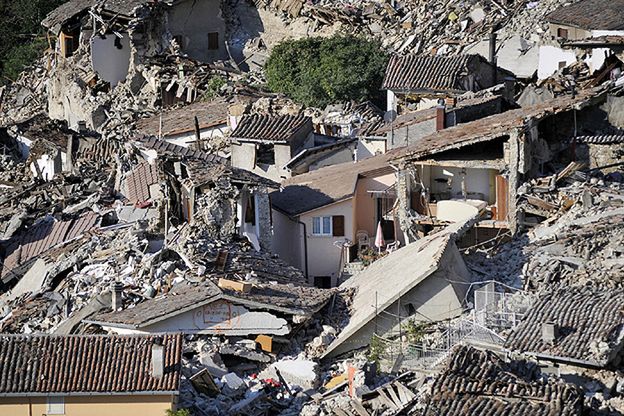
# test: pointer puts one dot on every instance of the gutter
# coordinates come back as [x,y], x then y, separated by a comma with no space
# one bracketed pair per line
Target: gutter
[305,245]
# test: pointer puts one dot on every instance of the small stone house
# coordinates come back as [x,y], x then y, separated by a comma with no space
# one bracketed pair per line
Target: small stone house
[265,144]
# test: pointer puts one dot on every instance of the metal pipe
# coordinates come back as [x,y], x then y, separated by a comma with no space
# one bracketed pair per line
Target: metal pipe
[305,247]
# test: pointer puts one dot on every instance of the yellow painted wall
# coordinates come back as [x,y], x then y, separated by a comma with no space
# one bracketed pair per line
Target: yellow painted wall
[89,406]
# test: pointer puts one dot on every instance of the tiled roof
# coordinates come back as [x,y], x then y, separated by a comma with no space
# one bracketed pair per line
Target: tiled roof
[479,383]
[426,72]
[488,128]
[138,182]
[597,41]
[276,128]
[41,237]
[182,298]
[182,120]
[52,364]
[326,185]
[101,151]
[604,139]
[165,148]
[65,12]
[590,323]
[591,15]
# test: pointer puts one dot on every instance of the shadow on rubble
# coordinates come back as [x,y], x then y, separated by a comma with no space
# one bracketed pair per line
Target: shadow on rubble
[244,28]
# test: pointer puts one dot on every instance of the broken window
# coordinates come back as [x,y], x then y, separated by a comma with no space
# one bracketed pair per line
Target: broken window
[562,33]
[265,154]
[250,211]
[179,40]
[213,41]
[69,43]
[323,282]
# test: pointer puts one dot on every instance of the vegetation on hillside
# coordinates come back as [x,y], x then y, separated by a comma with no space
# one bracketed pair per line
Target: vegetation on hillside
[22,36]
[319,71]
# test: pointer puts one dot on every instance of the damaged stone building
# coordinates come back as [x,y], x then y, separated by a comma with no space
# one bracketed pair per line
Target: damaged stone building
[99,45]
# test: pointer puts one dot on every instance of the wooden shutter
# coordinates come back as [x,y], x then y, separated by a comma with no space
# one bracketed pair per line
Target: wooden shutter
[338,225]
[502,198]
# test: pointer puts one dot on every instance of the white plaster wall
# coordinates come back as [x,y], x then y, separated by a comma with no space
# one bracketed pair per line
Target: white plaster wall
[549,58]
[367,148]
[110,63]
[287,240]
[323,255]
[477,181]
[188,139]
[220,317]
[391,101]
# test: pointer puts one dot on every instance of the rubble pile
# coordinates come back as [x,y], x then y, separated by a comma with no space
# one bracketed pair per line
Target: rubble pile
[446,27]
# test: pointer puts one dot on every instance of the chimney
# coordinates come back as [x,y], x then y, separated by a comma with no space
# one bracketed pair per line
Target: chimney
[492,57]
[117,302]
[440,115]
[82,127]
[550,331]
[158,358]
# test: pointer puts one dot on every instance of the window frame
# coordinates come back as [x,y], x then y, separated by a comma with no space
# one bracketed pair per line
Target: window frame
[322,231]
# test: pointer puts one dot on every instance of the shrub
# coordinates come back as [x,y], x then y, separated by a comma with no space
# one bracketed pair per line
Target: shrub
[319,71]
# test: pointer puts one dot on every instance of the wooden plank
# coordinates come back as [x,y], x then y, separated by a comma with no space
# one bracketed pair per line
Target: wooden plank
[502,198]
[340,412]
[394,397]
[234,285]
[359,408]
[386,400]
[408,393]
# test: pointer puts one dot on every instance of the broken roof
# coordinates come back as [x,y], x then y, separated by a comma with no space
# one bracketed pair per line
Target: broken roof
[282,298]
[311,154]
[603,139]
[139,181]
[586,338]
[39,238]
[478,382]
[428,73]
[81,364]
[327,185]
[181,120]
[57,17]
[488,128]
[272,128]
[591,15]
[409,119]
[385,280]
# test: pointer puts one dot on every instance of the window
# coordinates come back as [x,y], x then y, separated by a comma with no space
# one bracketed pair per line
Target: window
[328,225]
[179,39]
[562,33]
[323,282]
[213,41]
[265,154]
[56,405]
[562,64]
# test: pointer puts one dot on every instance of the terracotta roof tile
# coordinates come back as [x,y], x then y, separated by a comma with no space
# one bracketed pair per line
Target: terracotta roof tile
[51,364]
[479,383]
[591,15]
[138,182]
[271,127]
[425,72]
[584,316]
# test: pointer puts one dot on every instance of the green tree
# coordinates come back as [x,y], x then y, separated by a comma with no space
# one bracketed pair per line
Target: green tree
[23,37]
[319,71]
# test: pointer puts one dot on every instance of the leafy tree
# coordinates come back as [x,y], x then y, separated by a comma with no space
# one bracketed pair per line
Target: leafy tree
[22,36]
[179,412]
[318,71]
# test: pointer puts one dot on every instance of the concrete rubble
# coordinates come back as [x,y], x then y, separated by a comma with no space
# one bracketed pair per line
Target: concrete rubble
[108,228]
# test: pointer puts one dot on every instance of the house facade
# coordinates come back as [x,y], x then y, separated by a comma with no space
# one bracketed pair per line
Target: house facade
[319,216]
[590,30]
[417,82]
[86,375]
